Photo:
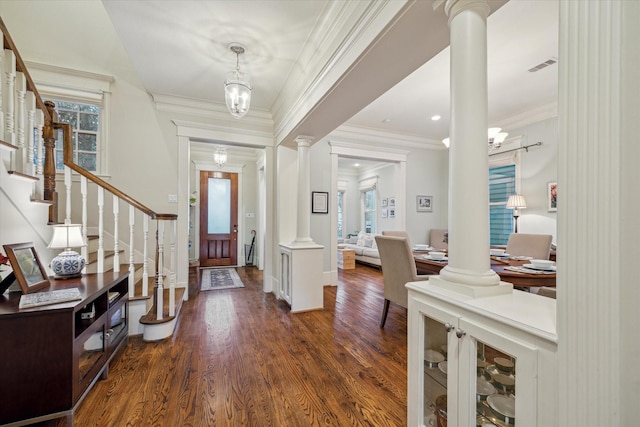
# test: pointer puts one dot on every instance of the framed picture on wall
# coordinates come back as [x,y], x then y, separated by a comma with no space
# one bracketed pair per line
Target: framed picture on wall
[424,203]
[385,213]
[392,213]
[552,196]
[319,202]
[392,201]
[384,202]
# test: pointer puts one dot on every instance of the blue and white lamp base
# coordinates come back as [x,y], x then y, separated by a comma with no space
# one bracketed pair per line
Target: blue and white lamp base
[68,264]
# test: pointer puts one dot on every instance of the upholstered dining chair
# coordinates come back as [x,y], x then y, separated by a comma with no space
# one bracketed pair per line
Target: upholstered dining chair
[537,246]
[436,239]
[397,233]
[398,268]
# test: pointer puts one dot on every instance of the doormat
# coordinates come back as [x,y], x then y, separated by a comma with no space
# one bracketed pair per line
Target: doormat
[220,278]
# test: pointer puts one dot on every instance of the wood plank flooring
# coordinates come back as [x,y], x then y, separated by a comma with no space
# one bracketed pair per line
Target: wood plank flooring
[240,358]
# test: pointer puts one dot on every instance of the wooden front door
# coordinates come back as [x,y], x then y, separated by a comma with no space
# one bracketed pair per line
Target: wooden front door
[218,218]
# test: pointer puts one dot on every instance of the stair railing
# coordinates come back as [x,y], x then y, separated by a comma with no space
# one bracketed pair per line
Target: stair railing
[21,111]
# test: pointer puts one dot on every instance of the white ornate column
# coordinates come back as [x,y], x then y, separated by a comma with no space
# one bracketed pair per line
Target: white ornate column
[303,229]
[469,268]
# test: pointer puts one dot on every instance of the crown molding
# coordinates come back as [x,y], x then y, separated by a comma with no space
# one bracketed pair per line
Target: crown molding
[207,132]
[68,78]
[366,135]
[533,115]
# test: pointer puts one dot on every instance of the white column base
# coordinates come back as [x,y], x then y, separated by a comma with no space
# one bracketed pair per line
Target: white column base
[501,288]
[468,277]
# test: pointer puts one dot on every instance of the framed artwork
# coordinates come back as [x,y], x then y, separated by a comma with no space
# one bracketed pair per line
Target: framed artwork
[392,213]
[26,265]
[384,202]
[424,203]
[319,202]
[552,196]
[385,213]
[392,201]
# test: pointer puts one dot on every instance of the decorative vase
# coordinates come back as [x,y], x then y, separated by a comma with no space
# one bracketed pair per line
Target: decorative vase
[67,264]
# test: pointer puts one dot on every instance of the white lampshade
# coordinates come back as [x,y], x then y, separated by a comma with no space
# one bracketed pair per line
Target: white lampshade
[67,236]
[516,201]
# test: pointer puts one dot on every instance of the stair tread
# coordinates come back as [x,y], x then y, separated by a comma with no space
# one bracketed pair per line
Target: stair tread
[93,256]
[23,176]
[151,319]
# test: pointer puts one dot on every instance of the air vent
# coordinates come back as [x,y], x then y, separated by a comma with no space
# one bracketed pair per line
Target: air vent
[544,64]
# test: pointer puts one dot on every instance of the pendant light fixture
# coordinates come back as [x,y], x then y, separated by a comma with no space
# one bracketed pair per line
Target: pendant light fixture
[237,90]
[220,156]
[495,139]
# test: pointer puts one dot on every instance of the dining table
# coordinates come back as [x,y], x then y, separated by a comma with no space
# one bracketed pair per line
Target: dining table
[509,269]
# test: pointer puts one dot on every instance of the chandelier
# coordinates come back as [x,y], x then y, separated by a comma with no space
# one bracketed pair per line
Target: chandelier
[495,139]
[237,91]
[220,156]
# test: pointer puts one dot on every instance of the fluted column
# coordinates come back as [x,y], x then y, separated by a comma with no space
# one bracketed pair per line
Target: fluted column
[303,228]
[469,262]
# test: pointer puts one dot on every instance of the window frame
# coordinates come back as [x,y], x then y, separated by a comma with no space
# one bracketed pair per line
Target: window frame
[499,159]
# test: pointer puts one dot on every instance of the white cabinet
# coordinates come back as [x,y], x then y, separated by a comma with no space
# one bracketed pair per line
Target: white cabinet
[301,276]
[494,358]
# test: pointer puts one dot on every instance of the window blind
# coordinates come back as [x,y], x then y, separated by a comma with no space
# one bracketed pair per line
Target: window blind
[502,184]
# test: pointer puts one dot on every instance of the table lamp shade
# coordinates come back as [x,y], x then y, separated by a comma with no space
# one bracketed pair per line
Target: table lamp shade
[516,201]
[68,263]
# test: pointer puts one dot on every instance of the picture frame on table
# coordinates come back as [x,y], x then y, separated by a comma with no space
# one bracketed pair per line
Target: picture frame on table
[424,203]
[384,202]
[552,196]
[320,202]
[27,268]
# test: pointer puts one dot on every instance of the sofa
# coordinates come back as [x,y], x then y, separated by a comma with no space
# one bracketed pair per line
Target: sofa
[364,245]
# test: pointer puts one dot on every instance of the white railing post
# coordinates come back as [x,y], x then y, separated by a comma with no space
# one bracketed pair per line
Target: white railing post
[67,186]
[83,192]
[116,247]
[9,96]
[21,90]
[100,230]
[30,126]
[159,271]
[172,270]
[145,254]
[132,270]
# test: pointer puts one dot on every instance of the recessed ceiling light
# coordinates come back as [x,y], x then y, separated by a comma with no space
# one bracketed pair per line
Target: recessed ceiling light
[356,165]
[386,121]
[435,118]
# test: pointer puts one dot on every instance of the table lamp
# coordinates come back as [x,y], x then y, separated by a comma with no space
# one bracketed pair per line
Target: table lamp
[516,202]
[68,263]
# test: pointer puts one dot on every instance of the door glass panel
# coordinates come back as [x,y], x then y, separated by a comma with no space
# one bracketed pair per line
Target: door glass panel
[219,221]
[435,372]
[495,387]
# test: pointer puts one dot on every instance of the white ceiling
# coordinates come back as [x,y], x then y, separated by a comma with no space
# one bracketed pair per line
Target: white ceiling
[181,48]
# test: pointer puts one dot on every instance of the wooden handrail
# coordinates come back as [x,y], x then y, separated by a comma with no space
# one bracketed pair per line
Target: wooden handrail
[9,44]
[68,161]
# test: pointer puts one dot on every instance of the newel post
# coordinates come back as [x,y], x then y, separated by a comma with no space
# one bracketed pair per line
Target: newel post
[49,172]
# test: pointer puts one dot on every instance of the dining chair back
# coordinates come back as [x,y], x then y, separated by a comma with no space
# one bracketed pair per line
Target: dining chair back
[436,239]
[397,233]
[398,268]
[537,246]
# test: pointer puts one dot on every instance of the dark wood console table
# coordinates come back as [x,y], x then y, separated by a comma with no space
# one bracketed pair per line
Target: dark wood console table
[51,356]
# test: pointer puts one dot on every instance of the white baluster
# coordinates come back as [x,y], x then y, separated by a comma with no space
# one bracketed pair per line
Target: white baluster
[159,268]
[132,270]
[100,230]
[28,130]
[9,96]
[145,254]
[172,271]
[116,246]
[40,143]
[67,186]
[83,192]
[21,91]
[2,65]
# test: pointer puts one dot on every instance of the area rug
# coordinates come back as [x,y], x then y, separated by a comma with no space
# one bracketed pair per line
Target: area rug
[220,278]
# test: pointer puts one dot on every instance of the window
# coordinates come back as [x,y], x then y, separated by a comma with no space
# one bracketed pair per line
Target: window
[85,120]
[340,215]
[369,202]
[502,184]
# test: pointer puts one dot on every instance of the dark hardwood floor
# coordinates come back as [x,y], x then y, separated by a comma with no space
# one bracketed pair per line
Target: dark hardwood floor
[240,358]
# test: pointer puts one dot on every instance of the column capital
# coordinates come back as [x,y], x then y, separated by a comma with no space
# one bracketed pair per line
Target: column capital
[454,7]
[303,140]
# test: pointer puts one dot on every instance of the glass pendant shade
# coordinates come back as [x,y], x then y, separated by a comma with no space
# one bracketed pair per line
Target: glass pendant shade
[220,156]
[237,94]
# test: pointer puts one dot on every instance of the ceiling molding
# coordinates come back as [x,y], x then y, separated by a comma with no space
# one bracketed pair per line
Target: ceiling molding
[68,78]
[365,135]
[206,132]
[366,151]
[534,115]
